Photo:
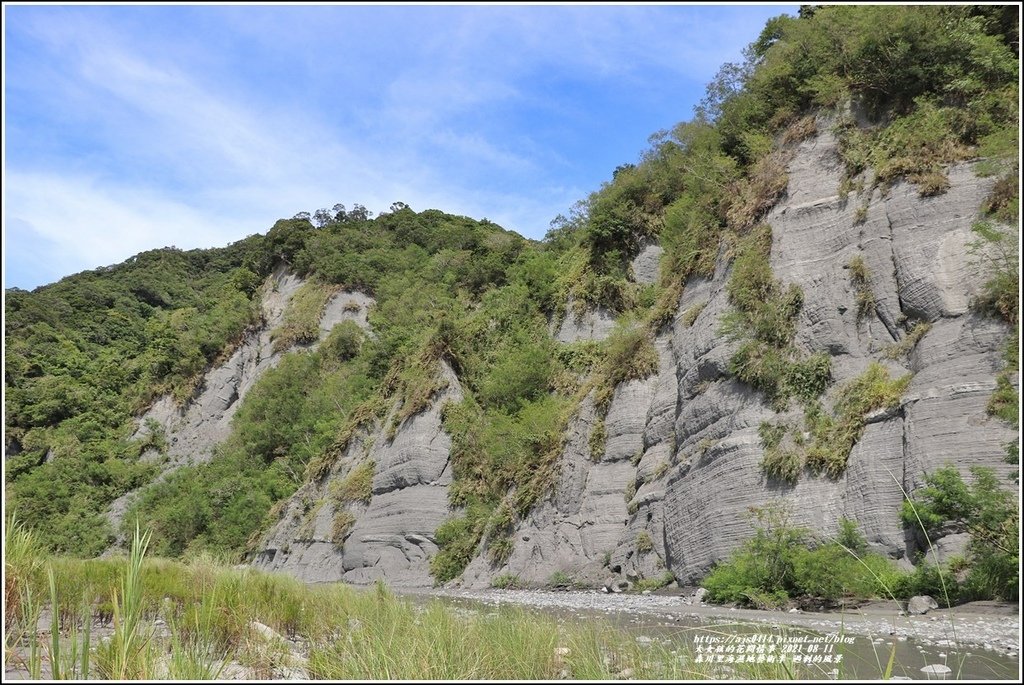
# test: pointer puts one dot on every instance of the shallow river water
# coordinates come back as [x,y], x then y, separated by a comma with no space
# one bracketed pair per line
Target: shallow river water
[972,647]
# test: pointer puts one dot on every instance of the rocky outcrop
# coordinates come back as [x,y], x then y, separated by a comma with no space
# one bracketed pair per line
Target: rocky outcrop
[193,430]
[345,305]
[683,445]
[647,264]
[680,467]
[593,324]
[392,538]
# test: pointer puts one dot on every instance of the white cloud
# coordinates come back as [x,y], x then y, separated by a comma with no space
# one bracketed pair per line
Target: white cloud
[99,224]
[195,159]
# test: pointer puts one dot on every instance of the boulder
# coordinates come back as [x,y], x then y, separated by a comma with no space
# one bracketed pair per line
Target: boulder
[619,585]
[921,604]
[937,669]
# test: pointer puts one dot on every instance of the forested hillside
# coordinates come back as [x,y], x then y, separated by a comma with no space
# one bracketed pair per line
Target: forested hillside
[907,93]
[88,354]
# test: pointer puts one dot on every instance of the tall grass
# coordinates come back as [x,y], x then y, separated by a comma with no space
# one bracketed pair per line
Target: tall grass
[224,621]
[130,653]
[69,660]
[23,565]
[212,613]
[194,653]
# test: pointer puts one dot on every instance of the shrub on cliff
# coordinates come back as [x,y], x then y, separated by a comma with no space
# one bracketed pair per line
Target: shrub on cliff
[781,562]
[982,508]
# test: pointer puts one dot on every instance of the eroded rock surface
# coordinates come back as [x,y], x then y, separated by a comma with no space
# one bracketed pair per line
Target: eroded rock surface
[393,535]
[686,440]
[593,324]
[193,430]
[647,263]
[680,467]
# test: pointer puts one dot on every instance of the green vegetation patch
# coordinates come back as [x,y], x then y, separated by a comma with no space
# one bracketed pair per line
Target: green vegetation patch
[596,441]
[1005,400]
[783,462]
[502,464]
[985,509]
[341,526]
[288,419]
[691,314]
[832,436]
[629,355]
[205,610]
[656,583]
[357,486]
[457,539]
[835,436]
[917,146]
[83,356]
[909,341]
[307,529]
[860,277]
[997,252]
[759,190]
[782,563]
[506,581]
[764,321]
[300,323]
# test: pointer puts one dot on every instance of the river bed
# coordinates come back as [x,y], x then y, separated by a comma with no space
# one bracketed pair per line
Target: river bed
[975,642]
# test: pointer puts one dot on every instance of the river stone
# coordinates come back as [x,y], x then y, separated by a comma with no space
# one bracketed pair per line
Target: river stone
[937,669]
[921,604]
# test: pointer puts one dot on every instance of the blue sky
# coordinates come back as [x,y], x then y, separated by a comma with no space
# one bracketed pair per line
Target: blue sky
[132,128]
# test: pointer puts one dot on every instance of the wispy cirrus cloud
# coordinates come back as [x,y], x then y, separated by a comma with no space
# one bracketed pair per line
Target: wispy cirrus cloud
[133,128]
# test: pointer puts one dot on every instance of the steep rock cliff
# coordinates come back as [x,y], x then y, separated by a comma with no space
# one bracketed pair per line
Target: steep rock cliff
[694,430]
[680,466]
[392,535]
[192,431]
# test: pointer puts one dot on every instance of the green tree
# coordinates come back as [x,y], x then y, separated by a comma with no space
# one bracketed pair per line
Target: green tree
[984,509]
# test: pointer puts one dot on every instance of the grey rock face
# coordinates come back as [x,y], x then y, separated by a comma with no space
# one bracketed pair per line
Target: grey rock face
[913,276]
[393,536]
[205,421]
[626,419]
[345,306]
[646,265]
[588,526]
[699,429]
[193,430]
[577,526]
[594,324]
[680,468]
